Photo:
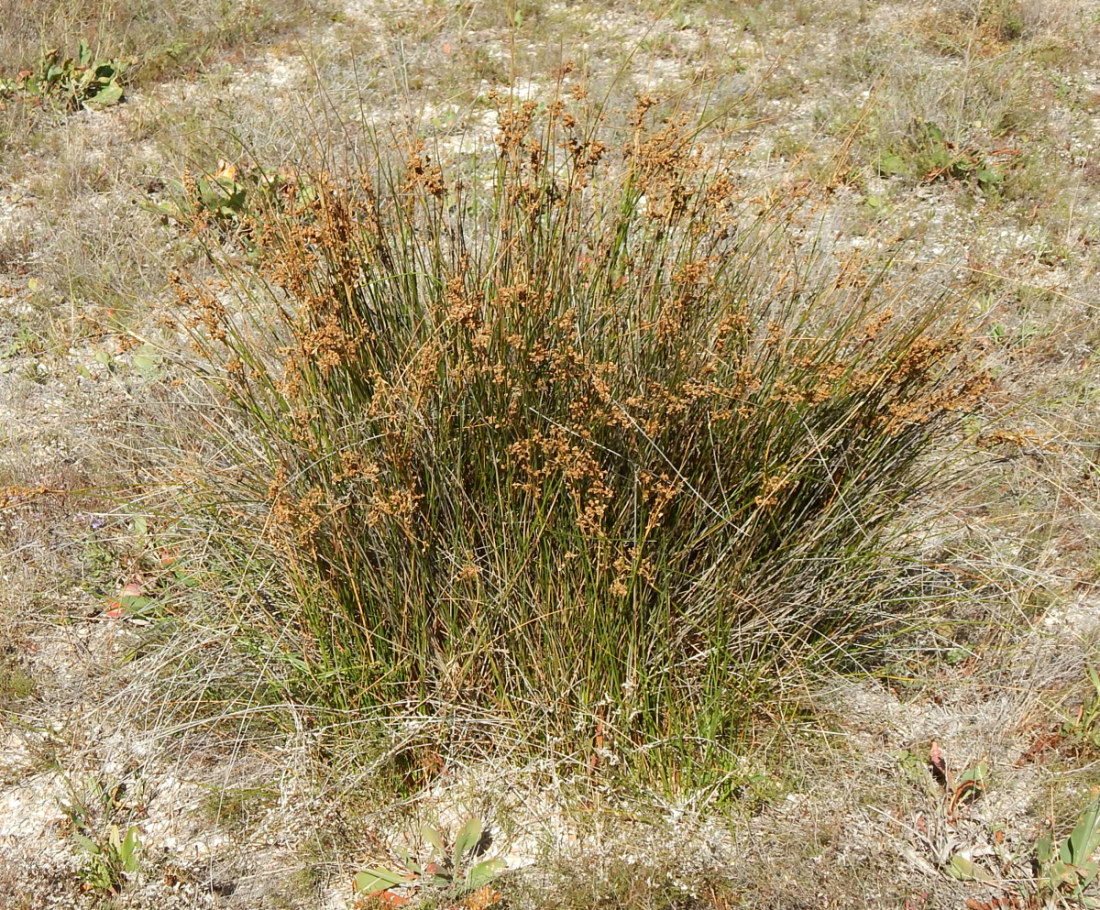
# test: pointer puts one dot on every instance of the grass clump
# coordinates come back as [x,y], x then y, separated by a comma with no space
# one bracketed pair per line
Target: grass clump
[160,39]
[581,435]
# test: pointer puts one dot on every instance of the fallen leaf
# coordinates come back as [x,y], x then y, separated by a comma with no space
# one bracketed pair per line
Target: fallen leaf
[483,898]
[939,766]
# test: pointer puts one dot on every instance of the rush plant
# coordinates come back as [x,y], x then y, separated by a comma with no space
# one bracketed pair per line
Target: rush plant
[584,431]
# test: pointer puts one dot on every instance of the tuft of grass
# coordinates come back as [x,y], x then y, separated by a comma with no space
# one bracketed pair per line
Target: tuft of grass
[163,39]
[583,433]
[15,683]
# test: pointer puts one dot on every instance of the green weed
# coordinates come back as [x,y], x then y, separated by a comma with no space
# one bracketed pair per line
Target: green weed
[109,859]
[158,39]
[74,82]
[454,872]
[929,156]
[1066,869]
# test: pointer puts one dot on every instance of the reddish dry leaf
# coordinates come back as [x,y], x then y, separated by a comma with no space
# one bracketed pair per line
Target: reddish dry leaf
[939,766]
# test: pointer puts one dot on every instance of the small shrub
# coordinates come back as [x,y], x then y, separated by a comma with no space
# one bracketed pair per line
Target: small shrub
[582,432]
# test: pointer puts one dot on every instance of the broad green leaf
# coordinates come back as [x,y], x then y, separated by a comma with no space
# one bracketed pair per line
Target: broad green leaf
[188,581]
[86,844]
[934,131]
[128,850]
[963,869]
[1044,849]
[236,199]
[431,836]
[467,839]
[133,603]
[1085,837]
[976,774]
[941,158]
[483,873]
[105,97]
[146,363]
[891,164]
[371,880]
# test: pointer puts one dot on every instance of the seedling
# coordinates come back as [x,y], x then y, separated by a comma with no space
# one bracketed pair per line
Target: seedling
[1066,869]
[453,871]
[1084,727]
[109,860]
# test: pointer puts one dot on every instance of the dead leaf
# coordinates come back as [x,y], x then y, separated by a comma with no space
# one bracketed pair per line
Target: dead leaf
[939,766]
[483,898]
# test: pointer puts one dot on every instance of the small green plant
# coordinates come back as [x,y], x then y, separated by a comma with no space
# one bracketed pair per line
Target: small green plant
[929,156]
[26,341]
[15,684]
[231,807]
[76,82]
[1067,869]
[453,872]
[1084,727]
[109,859]
[223,199]
[219,196]
[109,855]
